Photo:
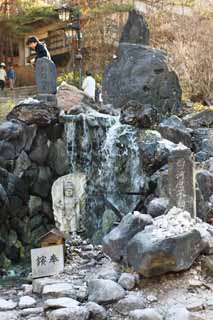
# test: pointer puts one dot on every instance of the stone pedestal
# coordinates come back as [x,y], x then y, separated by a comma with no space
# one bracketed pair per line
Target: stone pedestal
[45,71]
[181,180]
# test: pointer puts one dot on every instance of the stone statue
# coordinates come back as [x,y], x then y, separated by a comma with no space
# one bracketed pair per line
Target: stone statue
[68,194]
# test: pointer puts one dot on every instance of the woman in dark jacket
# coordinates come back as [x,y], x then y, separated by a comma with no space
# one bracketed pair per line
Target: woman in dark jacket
[40,48]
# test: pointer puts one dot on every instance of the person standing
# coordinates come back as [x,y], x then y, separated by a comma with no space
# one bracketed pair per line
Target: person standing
[3,76]
[89,85]
[11,76]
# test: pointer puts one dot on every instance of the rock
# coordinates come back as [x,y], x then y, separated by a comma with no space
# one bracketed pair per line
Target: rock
[22,163]
[171,244]
[195,304]
[136,29]
[114,244]
[39,150]
[145,78]
[58,157]
[27,288]
[129,303]
[9,315]
[34,113]
[138,115]
[157,207]
[75,313]
[42,185]
[201,119]
[104,291]
[202,142]
[26,302]
[96,312]
[60,303]
[38,284]
[204,190]
[32,311]
[146,314]
[154,151]
[207,265]
[108,272]
[7,304]
[69,96]
[59,290]
[127,281]
[174,130]
[178,313]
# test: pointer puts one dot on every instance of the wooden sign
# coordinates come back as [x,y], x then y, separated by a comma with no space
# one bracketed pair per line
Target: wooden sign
[47,261]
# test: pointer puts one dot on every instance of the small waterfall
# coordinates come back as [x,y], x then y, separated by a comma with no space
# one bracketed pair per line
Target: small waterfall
[122,167]
[108,153]
[70,130]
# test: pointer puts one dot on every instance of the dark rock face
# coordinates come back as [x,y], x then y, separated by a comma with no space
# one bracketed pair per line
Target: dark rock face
[204,192]
[140,73]
[201,119]
[152,258]
[136,30]
[135,114]
[174,130]
[115,243]
[203,143]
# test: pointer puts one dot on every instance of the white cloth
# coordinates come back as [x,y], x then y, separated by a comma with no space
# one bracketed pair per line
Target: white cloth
[3,74]
[88,86]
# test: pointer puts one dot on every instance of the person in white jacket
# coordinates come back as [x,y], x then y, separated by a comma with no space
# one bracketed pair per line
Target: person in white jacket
[89,85]
[3,76]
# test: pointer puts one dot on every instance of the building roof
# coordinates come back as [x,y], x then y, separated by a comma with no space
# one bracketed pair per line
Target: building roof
[55,232]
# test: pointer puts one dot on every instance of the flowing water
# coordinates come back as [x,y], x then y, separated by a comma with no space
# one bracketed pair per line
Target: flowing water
[108,153]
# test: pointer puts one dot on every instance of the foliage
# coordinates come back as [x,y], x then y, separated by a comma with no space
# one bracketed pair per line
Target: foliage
[189,44]
[74,78]
[5,108]
[108,8]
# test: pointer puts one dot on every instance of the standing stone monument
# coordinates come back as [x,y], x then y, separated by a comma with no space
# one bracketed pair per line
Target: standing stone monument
[45,73]
[181,179]
[69,198]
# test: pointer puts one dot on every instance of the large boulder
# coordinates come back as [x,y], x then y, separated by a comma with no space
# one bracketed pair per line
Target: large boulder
[35,112]
[136,29]
[114,244]
[140,73]
[171,244]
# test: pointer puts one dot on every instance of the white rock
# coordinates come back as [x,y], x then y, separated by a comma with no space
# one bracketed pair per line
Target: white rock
[75,313]
[104,291]
[7,304]
[178,313]
[31,311]
[60,303]
[38,284]
[26,302]
[59,290]
[145,314]
[127,281]
[27,288]
[129,303]
[9,315]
